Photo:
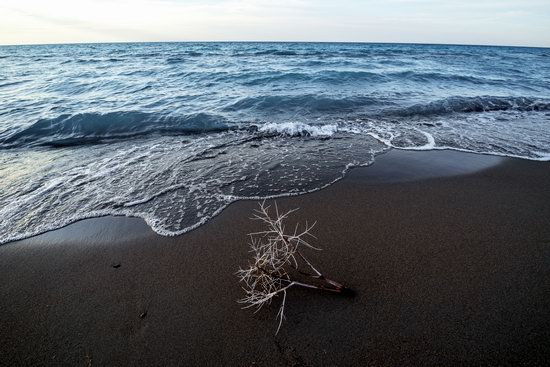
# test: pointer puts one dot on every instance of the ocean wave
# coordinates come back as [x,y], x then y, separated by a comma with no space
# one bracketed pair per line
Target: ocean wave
[443,77]
[298,129]
[323,76]
[362,76]
[276,53]
[94,128]
[475,105]
[378,106]
[11,84]
[90,128]
[275,116]
[176,60]
[336,76]
[283,52]
[305,103]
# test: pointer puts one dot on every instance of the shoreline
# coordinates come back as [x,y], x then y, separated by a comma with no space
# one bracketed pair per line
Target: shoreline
[450,265]
[398,165]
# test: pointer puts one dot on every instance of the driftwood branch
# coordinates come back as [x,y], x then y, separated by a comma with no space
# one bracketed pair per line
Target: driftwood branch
[276,259]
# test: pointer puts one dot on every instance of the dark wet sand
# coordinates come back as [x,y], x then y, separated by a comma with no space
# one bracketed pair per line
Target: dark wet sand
[448,270]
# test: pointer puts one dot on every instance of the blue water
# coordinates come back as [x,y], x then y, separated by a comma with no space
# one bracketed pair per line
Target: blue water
[174,132]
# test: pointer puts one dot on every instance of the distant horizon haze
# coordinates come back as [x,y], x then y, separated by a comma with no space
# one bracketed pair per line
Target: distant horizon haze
[270,41]
[467,22]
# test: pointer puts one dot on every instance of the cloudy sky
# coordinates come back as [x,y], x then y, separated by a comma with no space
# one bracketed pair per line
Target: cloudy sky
[501,22]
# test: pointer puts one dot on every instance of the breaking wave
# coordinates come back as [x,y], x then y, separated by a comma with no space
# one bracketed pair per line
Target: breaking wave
[91,128]
[298,129]
[476,105]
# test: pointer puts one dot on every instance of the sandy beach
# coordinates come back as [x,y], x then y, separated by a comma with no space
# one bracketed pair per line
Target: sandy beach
[448,253]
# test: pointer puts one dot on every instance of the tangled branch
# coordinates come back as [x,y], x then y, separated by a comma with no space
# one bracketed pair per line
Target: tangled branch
[277,256]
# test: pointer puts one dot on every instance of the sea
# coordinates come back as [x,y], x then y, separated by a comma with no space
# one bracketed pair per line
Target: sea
[174,132]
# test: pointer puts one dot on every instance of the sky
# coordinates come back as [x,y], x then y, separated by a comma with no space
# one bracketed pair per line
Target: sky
[488,22]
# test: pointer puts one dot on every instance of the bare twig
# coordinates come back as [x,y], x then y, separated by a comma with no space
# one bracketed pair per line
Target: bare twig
[275,253]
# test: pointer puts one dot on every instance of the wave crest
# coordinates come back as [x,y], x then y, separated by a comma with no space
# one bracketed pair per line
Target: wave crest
[305,103]
[475,104]
[298,129]
[90,128]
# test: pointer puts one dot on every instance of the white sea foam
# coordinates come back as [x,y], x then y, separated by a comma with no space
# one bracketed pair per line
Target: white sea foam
[174,186]
[299,129]
[430,142]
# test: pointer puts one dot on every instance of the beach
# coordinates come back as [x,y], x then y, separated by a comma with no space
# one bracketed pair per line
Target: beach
[448,254]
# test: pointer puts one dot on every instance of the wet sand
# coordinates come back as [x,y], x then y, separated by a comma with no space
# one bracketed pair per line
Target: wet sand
[448,252]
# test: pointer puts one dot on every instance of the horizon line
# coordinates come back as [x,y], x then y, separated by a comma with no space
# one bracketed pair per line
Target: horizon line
[264,41]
